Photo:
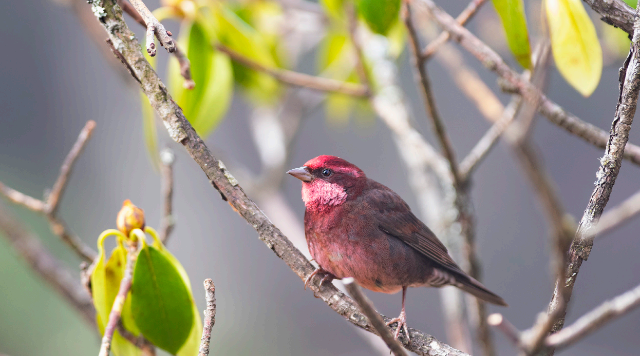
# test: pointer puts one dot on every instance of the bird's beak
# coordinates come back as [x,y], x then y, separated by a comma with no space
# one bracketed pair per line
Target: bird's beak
[301,173]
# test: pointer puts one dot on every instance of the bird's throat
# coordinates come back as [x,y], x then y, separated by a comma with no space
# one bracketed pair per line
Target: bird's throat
[320,195]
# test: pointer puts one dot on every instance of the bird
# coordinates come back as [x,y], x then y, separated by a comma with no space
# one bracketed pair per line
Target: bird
[356,227]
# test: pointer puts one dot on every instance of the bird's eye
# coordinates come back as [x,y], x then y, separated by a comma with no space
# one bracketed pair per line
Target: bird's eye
[326,172]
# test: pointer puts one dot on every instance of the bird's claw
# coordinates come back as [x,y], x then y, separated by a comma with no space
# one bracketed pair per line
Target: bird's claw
[328,277]
[402,325]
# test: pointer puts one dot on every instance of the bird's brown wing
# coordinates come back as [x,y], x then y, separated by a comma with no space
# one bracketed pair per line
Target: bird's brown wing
[394,217]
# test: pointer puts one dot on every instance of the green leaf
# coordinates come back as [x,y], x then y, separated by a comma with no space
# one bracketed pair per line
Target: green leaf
[575,45]
[193,341]
[161,303]
[205,105]
[105,284]
[334,8]
[632,3]
[514,22]
[239,36]
[379,15]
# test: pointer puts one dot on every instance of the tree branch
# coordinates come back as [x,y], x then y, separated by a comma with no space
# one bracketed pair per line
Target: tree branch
[154,28]
[49,207]
[422,80]
[617,215]
[297,79]
[209,316]
[552,111]
[167,158]
[614,12]
[118,303]
[182,132]
[47,266]
[375,319]
[595,319]
[443,37]
[606,176]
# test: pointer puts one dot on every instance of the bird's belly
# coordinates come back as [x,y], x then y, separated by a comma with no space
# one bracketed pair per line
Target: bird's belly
[378,264]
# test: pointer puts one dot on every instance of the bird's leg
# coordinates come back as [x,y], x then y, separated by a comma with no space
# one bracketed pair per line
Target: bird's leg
[401,319]
[328,277]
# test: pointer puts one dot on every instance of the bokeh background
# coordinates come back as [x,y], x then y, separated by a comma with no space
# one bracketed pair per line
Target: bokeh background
[55,78]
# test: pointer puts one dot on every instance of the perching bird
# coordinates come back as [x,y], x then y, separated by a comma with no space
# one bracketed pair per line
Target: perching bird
[357,227]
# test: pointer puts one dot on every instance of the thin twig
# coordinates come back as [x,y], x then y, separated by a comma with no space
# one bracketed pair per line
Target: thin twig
[146,348]
[167,158]
[374,318]
[552,111]
[209,317]
[46,265]
[423,82]
[443,37]
[361,63]
[53,199]
[154,28]
[510,331]
[489,140]
[118,303]
[181,131]
[595,319]
[298,79]
[618,215]
[49,208]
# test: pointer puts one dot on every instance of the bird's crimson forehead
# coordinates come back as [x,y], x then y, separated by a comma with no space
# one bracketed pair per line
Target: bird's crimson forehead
[335,163]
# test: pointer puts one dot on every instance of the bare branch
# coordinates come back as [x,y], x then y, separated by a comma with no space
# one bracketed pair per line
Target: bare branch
[182,132]
[53,199]
[361,66]
[374,318]
[209,316]
[489,140]
[46,266]
[146,348]
[423,82]
[48,209]
[552,111]
[118,303]
[614,12]
[298,79]
[154,28]
[618,215]
[595,319]
[510,331]
[606,176]
[167,158]
[462,19]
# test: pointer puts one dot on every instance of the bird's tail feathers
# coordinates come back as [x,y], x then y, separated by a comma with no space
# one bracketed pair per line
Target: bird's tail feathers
[476,288]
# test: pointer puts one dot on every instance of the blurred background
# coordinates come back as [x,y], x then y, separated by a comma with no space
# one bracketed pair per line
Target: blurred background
[55,77]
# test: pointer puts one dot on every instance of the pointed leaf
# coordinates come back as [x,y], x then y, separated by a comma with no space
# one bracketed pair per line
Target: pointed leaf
[161,304]
[576,49]
[379,15]
[514,22]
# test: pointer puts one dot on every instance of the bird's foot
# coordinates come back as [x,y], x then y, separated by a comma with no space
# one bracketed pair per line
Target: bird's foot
[328,277]
[402,325]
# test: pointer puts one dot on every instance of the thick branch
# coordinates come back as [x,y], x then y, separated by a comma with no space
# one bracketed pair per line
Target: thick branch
[209,316]
[298,79]
[443,37]
[167,158]
[374,318]
[552,111]
[596,319]
[606,176]
[614,12]
[182,132]
[46,266]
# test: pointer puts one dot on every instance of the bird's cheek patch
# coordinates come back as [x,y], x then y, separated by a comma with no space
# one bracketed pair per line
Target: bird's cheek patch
[322,193]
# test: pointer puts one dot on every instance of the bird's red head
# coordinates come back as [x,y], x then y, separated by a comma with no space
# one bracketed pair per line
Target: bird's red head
[328,181]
